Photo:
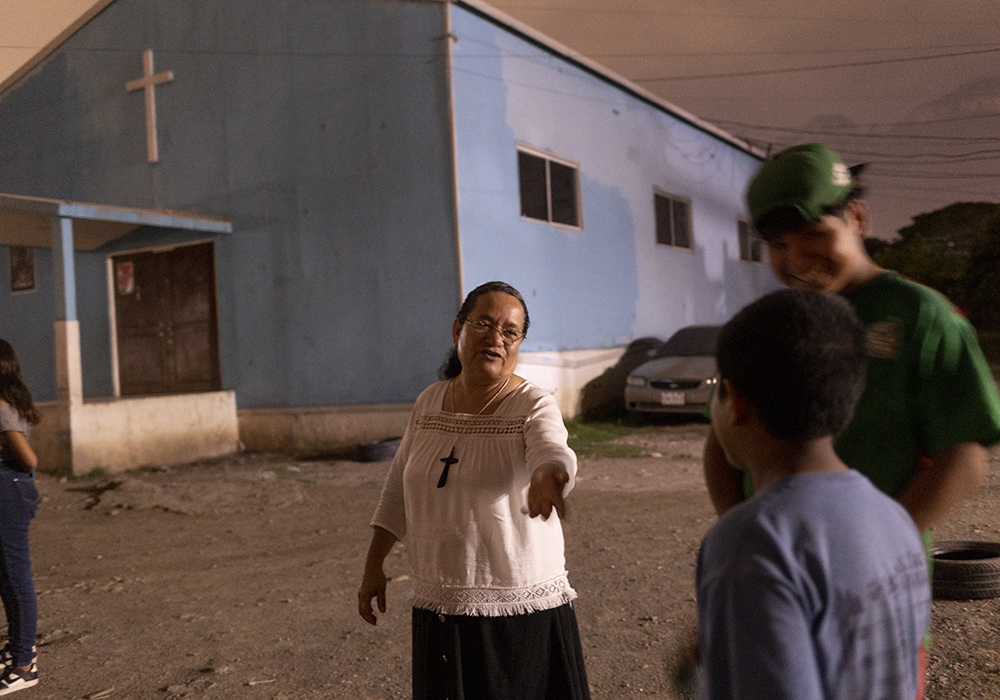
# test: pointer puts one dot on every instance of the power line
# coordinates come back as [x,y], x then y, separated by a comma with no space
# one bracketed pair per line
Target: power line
[856,134]
[884,125]
[805,69]
[788,52]
[922,159]
[617,11]
[664,54]
[925,175]
[905,157]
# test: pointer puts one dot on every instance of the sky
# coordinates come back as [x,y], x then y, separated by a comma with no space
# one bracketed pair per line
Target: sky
[911,87]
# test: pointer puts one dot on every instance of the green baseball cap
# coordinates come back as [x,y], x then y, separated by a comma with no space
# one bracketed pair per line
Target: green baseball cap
[808,178]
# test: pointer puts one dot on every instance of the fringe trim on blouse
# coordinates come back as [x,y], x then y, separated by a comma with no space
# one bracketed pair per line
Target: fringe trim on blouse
[492,602]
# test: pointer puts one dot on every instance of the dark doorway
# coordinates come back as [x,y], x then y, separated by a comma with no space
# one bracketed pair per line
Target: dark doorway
[167,326]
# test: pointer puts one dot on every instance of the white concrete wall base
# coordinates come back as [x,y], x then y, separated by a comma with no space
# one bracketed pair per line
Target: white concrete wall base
[122,434]
[323,430]
[50,439]
[117,435]
[564,374]
[69,373]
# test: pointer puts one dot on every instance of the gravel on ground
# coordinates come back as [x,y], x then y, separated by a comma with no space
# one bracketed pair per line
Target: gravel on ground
[237,578]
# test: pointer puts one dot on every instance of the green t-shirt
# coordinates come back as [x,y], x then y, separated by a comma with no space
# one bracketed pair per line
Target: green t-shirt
[928,389]
[928,386]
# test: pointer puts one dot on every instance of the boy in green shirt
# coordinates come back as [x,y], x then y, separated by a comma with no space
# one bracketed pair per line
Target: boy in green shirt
[930,407]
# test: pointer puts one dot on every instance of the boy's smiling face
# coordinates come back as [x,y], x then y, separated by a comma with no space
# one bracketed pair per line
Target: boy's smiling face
[827,255]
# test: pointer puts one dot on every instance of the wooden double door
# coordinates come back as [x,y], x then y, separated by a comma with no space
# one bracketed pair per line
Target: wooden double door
[167,320]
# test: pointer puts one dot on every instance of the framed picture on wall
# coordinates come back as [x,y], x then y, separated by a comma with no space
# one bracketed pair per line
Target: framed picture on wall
[125,277]
[22,268]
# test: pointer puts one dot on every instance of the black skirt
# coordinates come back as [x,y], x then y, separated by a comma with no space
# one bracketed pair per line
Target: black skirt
[535,656]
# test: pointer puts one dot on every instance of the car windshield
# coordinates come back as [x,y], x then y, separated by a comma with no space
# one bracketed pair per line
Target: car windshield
[690,341]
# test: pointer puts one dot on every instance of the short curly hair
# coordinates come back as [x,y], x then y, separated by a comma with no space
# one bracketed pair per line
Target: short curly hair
[798,356]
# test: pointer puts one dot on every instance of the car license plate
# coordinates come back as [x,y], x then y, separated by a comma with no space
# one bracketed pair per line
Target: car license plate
[672,398]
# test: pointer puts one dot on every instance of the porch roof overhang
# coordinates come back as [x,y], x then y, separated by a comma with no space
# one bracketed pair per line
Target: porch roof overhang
[27,221]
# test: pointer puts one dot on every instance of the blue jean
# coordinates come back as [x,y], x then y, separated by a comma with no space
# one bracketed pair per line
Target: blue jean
[18,501]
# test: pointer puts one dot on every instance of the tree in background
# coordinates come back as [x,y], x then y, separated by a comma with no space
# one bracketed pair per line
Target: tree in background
[952,250]
[955,250]
[982,289]
[938,246]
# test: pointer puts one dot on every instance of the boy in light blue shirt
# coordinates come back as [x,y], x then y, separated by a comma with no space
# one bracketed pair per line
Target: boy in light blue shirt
[816,587]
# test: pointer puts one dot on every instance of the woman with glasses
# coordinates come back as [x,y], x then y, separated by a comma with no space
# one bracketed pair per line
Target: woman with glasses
[471,491]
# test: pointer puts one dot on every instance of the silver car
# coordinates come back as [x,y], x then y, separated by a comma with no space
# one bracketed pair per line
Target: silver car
[679,377]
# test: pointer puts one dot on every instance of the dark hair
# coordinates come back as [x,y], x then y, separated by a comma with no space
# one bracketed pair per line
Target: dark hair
[798,356]
[13,390]
[784,220]
[452,367]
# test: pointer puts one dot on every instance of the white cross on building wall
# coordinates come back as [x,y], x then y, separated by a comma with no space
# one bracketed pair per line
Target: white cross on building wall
[147,83]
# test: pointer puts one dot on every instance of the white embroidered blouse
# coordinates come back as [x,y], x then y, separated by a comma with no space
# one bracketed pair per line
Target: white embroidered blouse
[471,545]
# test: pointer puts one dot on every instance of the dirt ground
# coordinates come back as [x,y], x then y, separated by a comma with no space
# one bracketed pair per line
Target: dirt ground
[238,578]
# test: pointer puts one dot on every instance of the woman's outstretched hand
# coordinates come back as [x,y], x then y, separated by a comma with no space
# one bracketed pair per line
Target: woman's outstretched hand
[545,491]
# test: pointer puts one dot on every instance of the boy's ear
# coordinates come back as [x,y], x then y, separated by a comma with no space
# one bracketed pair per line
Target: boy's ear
[740,407]
[858,210]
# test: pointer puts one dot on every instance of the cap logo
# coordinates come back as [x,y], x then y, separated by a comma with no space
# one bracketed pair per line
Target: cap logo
[841,175]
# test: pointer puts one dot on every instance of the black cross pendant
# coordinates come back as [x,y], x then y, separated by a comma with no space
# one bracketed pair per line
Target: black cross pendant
[448,461]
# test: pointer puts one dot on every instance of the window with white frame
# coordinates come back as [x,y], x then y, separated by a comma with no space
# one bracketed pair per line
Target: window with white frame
[549,188]
[751,247]
[673,220]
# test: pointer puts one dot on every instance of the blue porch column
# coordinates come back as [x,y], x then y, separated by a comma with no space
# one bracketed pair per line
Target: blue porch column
[69,368]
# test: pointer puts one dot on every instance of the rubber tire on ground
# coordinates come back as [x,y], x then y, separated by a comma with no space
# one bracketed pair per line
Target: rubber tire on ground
[966,570]
[378,450]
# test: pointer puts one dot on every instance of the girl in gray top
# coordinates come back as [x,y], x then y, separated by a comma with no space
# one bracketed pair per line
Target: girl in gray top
[18,501]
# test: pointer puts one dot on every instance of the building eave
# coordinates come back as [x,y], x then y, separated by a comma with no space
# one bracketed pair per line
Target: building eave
[26,221]
[549,44]
[51,47]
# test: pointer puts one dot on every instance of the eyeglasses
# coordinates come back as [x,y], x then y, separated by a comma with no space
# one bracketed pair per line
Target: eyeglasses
[483,327]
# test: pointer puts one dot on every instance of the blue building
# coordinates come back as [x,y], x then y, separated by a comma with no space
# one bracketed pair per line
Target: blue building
[279,206]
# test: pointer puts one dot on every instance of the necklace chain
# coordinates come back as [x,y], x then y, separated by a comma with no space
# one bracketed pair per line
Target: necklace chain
[451,459]
[502,387]
[485,405]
